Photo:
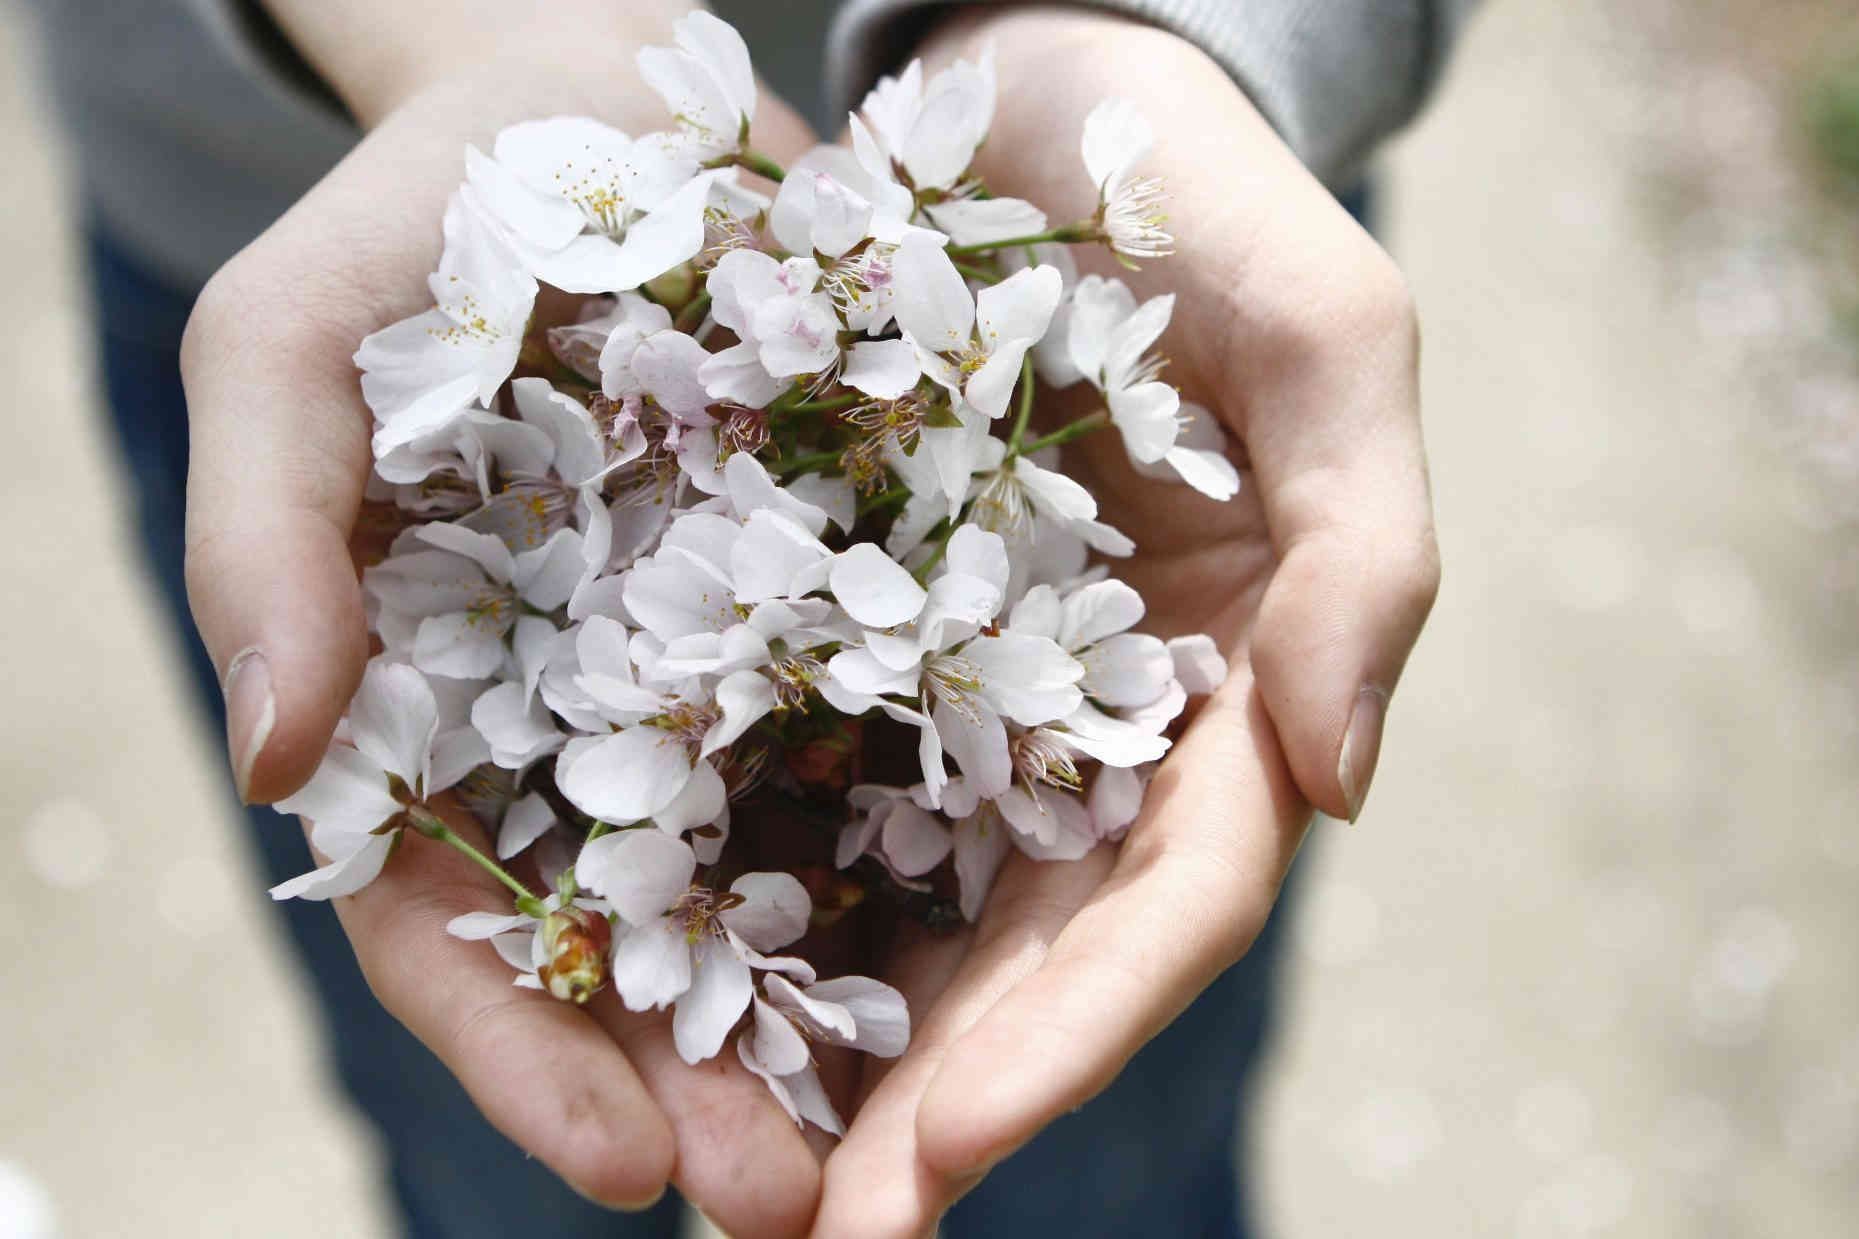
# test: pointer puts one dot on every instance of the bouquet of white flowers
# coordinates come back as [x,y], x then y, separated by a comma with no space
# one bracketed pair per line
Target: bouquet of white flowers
[737,594]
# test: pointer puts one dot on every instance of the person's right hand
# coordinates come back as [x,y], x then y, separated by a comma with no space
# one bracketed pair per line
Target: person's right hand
[280,455]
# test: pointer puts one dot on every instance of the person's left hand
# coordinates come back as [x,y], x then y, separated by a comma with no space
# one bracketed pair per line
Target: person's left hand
[1296,330]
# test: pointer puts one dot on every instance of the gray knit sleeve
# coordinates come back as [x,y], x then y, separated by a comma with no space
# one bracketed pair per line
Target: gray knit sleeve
[1334,76]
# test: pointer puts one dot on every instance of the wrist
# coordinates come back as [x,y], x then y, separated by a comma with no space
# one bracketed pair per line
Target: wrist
[377,57]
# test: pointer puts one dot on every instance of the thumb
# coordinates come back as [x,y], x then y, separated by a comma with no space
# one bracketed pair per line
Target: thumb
[278,459]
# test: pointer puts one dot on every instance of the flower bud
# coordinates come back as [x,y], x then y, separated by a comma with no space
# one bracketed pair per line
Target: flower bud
[576,943]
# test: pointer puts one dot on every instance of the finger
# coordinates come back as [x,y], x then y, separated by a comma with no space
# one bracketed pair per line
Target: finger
[878,1182]
[741,1160]
[279,450]
[541,1071]
[1192,886]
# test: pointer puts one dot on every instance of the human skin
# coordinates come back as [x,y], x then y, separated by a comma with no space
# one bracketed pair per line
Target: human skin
[1291,325]
[280,455]
[1298,332]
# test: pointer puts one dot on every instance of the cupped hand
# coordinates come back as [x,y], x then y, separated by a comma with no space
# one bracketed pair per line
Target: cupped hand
[1297,332]
[280,456]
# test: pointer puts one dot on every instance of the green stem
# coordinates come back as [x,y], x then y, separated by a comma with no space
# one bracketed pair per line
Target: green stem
[979,273]
[802,464]
[760,164]
[1070,234]
[1066,433]
[428,823]
[890,497]
[1025,412]
[827,405]
[692,315]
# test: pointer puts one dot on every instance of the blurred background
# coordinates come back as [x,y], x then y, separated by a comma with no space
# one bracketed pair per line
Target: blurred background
[1587,964]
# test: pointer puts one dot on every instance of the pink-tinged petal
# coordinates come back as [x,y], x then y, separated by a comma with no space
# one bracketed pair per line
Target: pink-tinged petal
[651,965]
[666,366]
[1199,664]
[1019,308]
[880,1016]
[340,877]
[979,746]
[1099,610]
[1056,826]
[524,822]
[981,844]
[774,910]
[624,777]
[348,791]
[811,1102]
[797,335]
[773,1081]
[885,369]
[703,800]
[873,588]
[933,303]
[720,991]
[778,1044]
[478,926]
[1115,800]
[642,873]
[915,841]
[392,719]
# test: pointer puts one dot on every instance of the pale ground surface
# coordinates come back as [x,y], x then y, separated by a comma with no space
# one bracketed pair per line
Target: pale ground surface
[1585,967]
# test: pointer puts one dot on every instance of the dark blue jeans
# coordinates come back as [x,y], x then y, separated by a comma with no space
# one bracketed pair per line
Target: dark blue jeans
[1156,1155]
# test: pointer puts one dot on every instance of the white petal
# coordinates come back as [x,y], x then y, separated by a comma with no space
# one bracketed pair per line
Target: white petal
[1019,307]
[957,108]
[745,697]
[933,303]
[1116,798]
[879,1013]
[915,841]
[1056,826]
[981,844]
[875,589]
[774,910]
[1097,611]
[882,368]
[523,823]
[990,388]
[349,790]
[1209,472]
[703,800]
[1199,664]
[640,872]
[392,719]
[979,747]
[340,877]
[651,964]
[720,991]
[478,926]
[1130,669]
[978,221]
[1028,679]
[518,728]
[461,646]
[1115,137]
[778,1044]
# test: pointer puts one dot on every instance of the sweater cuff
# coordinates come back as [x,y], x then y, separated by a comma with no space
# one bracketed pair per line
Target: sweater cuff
[263,54]
[1334,77]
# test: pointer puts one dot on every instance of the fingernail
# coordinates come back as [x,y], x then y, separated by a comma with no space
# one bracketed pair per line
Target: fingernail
[1361,746]
[251,712]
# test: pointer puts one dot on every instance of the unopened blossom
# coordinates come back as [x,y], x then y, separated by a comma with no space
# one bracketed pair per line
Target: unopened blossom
[564,951]
[685,943]
[1129,208]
